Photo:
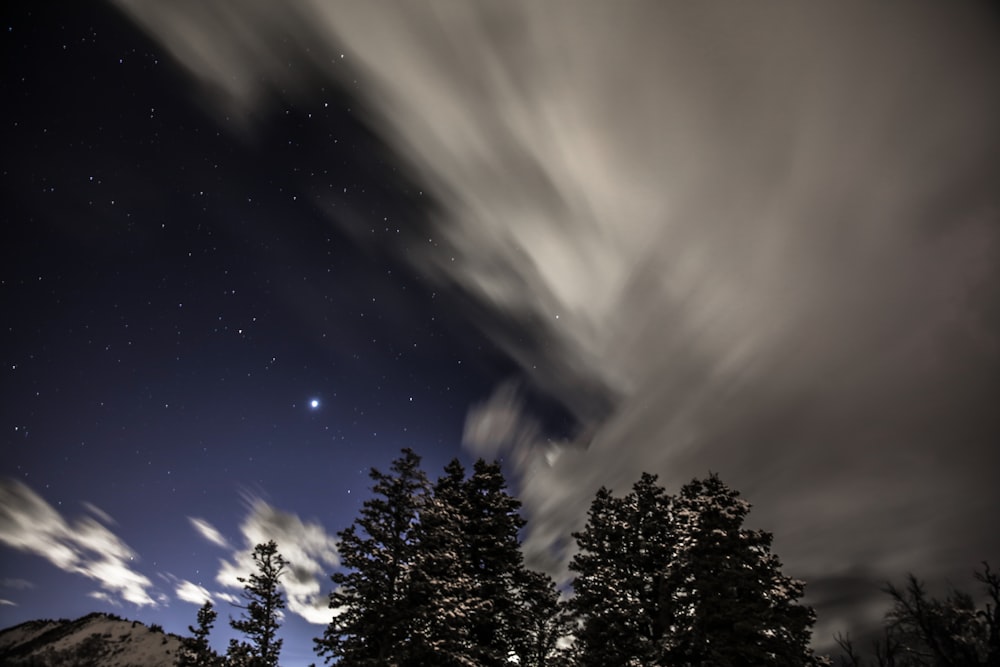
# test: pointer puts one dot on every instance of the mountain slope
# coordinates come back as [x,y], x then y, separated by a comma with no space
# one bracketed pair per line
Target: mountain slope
[95,640]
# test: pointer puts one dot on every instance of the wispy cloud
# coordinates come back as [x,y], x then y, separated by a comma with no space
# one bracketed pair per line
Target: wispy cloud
[758,239]
[7,603]
[310,551]
[209,532]
[196,593]
[99,513]
[227,597]
[14,585]
[84,546]
[17,584]
[191,592]
[104,597]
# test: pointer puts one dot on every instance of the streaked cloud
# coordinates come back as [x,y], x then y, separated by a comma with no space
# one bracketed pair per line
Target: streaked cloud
[84,546]
[104,597]
[309,550]
[7,603]
[227,597]
[99,513]
[191,592]
[208,531]
[760,239]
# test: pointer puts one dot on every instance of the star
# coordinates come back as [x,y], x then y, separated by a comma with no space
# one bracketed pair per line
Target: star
[314,403]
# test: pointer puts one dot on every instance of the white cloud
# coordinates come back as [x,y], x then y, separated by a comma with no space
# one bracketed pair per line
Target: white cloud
[309,550]
[17,584]
[209,532]
[85,547]
[730,242]
[191,592]
[227,597]
[99,513]
[7,603]
[104,597]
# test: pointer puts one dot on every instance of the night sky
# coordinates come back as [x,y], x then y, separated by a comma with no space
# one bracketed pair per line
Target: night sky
[250,250]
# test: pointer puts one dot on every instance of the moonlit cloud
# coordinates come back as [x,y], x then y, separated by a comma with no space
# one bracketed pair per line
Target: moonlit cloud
[309,550]
[7,603]
[104,597]
[755,238]
[85,547]
[99,513]
[208,531]
[227,597]
[191,592]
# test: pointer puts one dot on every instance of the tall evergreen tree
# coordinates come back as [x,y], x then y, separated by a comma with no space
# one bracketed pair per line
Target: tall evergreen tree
[473,598]
[374,625]
[195,650]
[263,603]
[436,575]
[618,591]
[729,602]
[444,597]
[678,581]
[597,586]
[542,622]
[496,564]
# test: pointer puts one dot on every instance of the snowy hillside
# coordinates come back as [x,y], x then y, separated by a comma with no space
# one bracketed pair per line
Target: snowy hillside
[95,639]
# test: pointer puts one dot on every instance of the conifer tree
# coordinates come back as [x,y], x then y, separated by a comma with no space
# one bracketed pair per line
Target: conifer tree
[444,597]
[373,596]
[542,622]
[679,581]
[729,602]
[263,604]
[473,600]
[195,650]
[496,564]
[619,600]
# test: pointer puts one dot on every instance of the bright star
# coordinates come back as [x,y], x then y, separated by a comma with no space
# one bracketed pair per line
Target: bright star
[314,403]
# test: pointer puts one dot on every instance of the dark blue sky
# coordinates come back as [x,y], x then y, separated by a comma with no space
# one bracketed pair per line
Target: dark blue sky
[173,300]
[594,241]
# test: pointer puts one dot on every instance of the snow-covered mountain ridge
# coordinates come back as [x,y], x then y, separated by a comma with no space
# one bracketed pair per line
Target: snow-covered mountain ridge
[89,641]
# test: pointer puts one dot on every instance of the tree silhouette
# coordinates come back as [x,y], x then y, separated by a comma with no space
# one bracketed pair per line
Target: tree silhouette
[619,598]
[373,597]
[921,631]
[195,650]
[542,623]
[496,565]
[680,581]
[436,576]
[444,597]
[729,602]
[263,603]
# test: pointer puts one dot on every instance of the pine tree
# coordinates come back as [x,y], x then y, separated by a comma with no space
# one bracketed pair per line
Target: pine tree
[240,654]
[436,575]
[619,600]
[729,603]
[473,599]
[678,581]
[444,597]
[263,604]
[542,622]
[374,624]
[195,650]
[496,564]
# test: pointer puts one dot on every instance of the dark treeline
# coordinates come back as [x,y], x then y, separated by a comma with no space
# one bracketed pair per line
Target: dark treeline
[433,574]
